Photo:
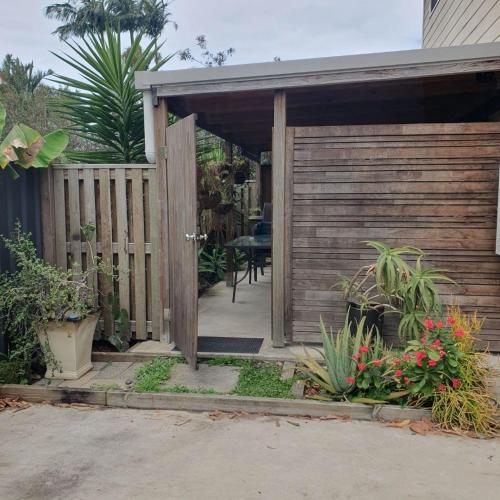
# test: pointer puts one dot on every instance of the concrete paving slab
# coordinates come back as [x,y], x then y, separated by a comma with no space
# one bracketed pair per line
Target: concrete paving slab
[114,369]
[221,379]
[152,347]
[248,316]
[83,382]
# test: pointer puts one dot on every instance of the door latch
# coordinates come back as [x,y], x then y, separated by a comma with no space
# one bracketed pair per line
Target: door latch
[196,237]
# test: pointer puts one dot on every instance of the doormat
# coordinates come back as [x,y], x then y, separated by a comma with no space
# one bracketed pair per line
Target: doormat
[237,345]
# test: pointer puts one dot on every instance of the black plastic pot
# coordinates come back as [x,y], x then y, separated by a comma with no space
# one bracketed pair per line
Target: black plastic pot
[374,318]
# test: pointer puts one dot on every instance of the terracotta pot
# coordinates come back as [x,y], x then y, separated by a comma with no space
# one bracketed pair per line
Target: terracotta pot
[71,345]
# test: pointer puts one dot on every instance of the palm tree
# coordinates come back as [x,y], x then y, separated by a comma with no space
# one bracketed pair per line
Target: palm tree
[21,78]
[81,17]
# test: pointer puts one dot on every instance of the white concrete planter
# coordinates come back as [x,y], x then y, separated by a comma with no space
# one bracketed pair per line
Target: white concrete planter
[71,346]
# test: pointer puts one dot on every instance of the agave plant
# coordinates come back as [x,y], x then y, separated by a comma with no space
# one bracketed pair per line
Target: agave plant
[104,106]
[420,299]
[25,147]
[337,372]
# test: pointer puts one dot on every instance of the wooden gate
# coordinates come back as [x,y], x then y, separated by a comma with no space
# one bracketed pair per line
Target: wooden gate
[182,236]
[433,186]
[121,201]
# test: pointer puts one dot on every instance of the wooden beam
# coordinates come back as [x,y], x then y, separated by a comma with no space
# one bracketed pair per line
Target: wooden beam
[278,250]
[161,123]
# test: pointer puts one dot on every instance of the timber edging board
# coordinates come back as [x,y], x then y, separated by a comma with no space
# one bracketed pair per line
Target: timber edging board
[211,402]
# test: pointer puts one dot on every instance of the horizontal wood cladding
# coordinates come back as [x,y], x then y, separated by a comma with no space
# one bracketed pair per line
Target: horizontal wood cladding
[461,22]
[434,186]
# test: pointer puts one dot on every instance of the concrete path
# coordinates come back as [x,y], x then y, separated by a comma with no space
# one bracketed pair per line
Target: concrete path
[76,454]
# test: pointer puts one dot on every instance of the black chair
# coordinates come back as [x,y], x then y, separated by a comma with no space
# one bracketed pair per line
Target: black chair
[263,227]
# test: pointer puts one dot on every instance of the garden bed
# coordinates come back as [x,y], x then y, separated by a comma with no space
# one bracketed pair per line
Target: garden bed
[259,387]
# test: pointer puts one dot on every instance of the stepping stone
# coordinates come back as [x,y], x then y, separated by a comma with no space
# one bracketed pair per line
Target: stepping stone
[221,379]
[83,382]
[114,369]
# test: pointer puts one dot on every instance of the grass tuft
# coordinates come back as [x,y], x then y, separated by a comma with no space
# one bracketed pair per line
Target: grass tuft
[150,376]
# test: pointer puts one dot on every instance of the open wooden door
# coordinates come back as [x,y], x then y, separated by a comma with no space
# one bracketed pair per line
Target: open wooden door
[182,238]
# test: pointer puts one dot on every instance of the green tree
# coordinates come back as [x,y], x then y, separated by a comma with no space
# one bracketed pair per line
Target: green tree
[20,77]
[103,106]
[83,17]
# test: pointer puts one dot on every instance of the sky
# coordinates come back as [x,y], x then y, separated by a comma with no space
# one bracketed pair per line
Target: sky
[258,30]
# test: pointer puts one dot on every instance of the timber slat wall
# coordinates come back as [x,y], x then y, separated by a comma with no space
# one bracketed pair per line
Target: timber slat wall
[121,200]
[433,186]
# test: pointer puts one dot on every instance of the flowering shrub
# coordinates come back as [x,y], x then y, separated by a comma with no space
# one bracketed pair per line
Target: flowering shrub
[430,364]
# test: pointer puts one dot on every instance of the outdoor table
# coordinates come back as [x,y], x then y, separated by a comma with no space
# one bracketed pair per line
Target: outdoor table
[248,245]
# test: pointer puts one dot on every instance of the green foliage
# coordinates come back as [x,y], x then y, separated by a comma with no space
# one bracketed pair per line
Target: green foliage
[25,147]
[337,374]
[392,283]
[122,334]
[20,77]
[212,262]
[12,371]
[469,405]
[103,106]
[260,379]
[182,389]
[82,17]
[34,295]
[150,376]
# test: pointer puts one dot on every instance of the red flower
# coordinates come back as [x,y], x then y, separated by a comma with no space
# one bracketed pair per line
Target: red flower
[419,363]
[396,361]
[350,380]
[423,339]
[356,356]
[439,324]
[364,348]
[432,362]
[428,323]
[442,353]
[420,355]
[377,362]
[398,373]
[456,383]
[407,380]
[441,388]
[361,366]
[459,332]
[436,343]
[451,320]
[406,357]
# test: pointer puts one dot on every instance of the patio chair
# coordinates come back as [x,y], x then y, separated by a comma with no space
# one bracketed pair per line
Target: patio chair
[263,227]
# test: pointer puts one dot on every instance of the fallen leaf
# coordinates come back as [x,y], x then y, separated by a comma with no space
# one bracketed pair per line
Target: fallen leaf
[296,424]
[400,423]
[333,416]
[16,403]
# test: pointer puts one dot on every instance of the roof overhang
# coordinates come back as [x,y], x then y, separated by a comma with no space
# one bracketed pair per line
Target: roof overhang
[235,101]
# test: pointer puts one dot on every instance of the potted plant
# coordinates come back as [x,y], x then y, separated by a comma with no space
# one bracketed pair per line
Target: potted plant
[49,313]
[391,284]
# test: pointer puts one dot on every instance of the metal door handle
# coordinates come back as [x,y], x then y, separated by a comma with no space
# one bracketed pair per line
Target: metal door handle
[196,237]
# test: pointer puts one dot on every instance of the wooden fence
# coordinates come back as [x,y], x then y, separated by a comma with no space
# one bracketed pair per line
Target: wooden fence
[121,200]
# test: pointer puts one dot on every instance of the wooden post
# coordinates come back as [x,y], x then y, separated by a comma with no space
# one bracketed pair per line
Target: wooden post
[161,123]
[228,151]
[278,236]
[48,215]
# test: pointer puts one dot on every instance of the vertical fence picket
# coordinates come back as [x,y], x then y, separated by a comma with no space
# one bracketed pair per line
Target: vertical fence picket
[156,308]
[60,219]
[106,243]
[139,254]
[90,218]
[122,238]
[74,219]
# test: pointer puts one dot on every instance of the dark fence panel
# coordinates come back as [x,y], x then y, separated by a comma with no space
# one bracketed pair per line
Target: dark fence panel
[20,200]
